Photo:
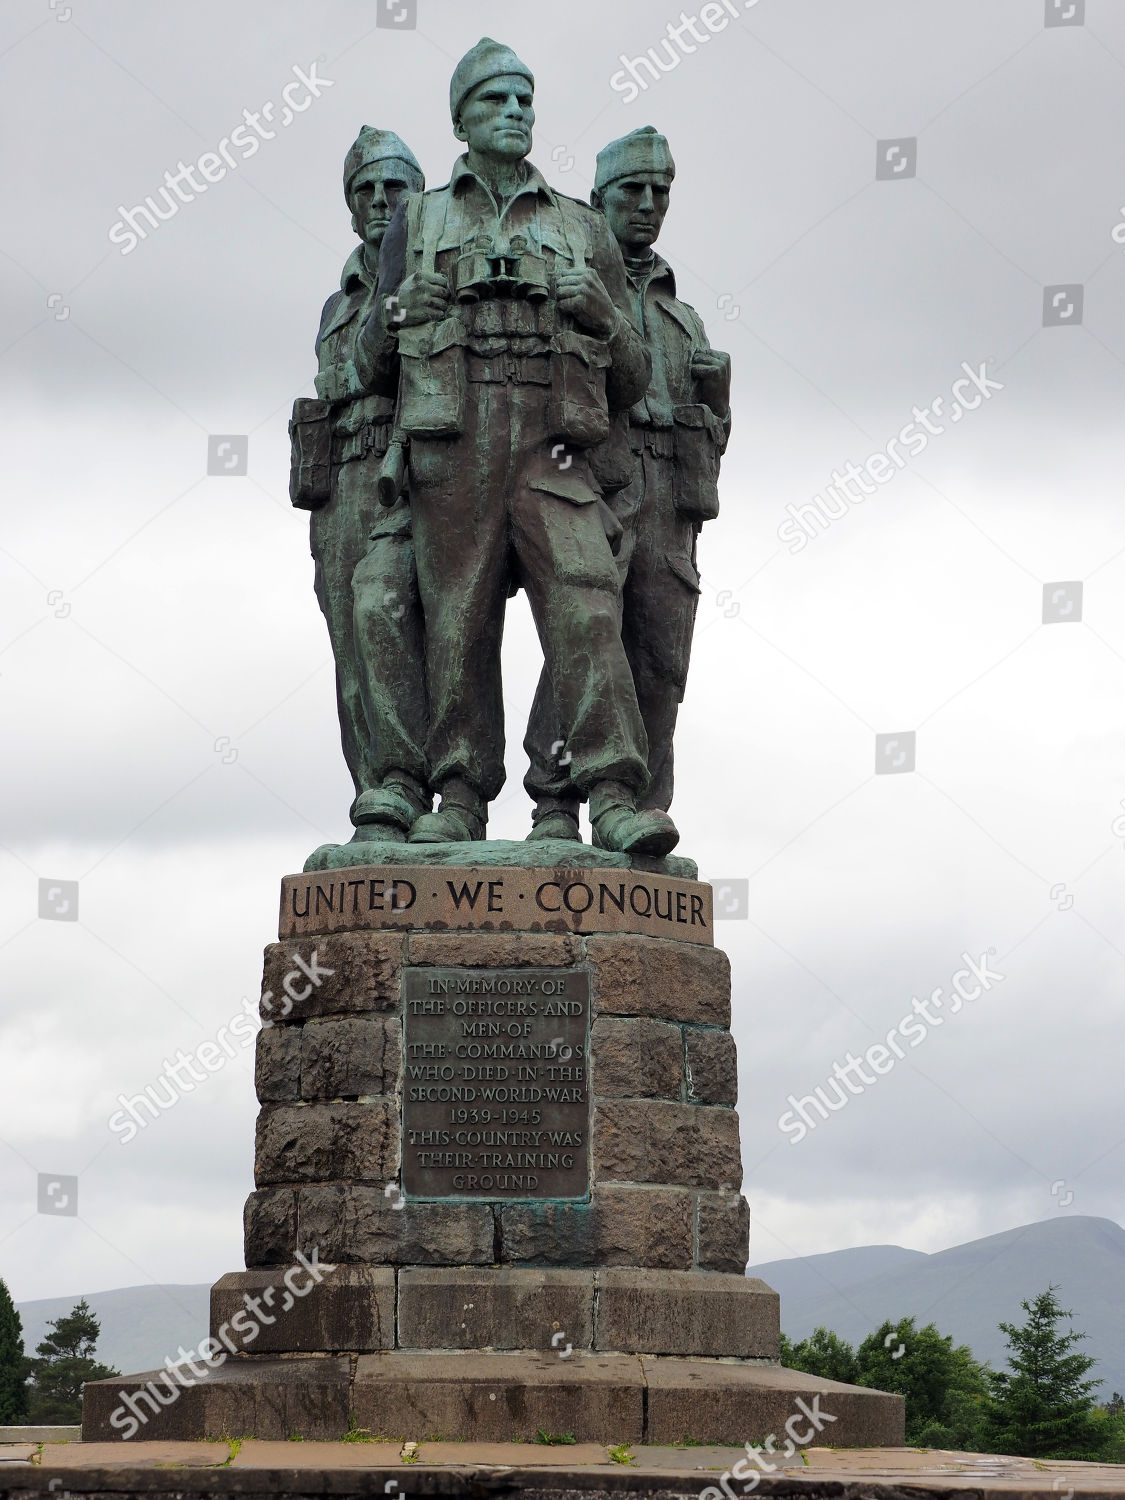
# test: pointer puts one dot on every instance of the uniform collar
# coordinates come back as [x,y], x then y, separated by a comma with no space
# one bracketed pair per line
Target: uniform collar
[658,271]
[355,276]
[534,182]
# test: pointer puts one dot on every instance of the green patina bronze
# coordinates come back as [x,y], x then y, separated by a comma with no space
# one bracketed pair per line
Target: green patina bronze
[533,411]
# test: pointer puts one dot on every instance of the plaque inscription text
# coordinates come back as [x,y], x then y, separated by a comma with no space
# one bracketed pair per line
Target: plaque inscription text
[495,1093]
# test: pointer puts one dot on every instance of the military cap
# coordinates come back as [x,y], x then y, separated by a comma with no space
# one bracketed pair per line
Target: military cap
[488,59]
[372,145]
[643,150]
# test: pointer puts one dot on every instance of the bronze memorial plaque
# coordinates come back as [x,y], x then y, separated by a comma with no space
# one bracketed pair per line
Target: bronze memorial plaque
[495,1094]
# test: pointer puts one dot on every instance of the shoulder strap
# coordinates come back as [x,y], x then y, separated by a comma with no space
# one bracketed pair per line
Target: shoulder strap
[435,206]
[574,232]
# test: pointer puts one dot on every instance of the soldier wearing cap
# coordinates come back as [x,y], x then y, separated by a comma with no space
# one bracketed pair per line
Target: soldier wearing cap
[509,321]
[339,443]
[677,432]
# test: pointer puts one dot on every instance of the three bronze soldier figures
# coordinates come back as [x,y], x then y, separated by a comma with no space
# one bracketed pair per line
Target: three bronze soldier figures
[509,395]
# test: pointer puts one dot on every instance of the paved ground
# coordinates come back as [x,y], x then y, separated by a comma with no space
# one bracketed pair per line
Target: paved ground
[874,1472]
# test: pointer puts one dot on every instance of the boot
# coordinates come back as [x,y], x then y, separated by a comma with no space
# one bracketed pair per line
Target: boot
[461,818]
[555,818]
[618,825]
[386,814]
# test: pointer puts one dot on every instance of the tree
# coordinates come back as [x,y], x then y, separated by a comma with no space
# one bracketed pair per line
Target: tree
[65,1364]
[1042,1406]
[13,1363]
[943,1384]
[824,1353]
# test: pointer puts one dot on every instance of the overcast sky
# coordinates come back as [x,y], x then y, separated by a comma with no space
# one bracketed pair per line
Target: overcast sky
[155,620]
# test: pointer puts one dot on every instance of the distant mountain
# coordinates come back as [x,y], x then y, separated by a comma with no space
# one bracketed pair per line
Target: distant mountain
[140,1324]
[968,1289]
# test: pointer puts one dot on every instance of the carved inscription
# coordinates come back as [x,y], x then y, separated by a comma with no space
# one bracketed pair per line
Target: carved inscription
[496,899]
[495,1091]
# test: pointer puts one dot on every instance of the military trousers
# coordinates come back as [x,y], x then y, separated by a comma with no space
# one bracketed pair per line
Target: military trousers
[492,508]
[353,527]
[659,599]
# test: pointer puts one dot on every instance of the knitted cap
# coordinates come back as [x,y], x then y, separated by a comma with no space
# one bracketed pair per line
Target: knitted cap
[372,145]
[643,150]
[488,59]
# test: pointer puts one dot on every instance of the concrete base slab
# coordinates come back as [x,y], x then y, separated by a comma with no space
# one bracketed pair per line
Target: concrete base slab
[475,1396]
[32,1434]
[526,1471]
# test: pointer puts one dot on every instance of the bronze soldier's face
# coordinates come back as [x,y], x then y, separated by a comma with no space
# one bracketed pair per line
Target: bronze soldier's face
[373,197]
[634,208]
[497,116]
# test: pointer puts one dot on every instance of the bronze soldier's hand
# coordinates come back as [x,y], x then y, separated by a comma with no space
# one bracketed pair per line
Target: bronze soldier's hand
[710,370]
[582,296]
[422,298]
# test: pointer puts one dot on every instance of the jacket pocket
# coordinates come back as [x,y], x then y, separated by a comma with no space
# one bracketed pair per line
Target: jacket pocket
[310,463]
[432,382]
[578,412]
[698,440]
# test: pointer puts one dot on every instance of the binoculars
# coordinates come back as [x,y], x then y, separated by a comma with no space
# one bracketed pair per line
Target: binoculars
[489,270]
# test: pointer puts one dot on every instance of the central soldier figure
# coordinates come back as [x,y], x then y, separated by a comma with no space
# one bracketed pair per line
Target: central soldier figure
[503,311]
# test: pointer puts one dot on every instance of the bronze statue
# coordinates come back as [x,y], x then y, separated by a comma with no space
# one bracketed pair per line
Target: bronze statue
[339,442]
[677,433]
[504,314]
[510,395]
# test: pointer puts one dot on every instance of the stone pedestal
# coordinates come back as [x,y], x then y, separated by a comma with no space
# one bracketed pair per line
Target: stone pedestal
[436,1244]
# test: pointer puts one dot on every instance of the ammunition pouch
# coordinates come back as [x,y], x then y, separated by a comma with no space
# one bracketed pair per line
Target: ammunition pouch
[577,412]
[432,380]
[310,466]
[698,439]
[612,463]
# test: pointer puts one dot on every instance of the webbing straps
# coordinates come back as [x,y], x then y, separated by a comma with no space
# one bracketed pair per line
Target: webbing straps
[435,206]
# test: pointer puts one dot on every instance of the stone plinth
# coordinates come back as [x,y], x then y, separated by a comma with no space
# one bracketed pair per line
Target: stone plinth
[497,1177]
